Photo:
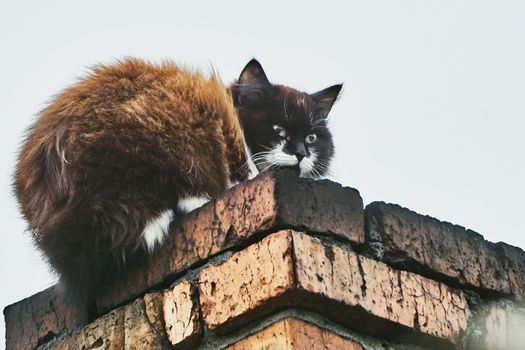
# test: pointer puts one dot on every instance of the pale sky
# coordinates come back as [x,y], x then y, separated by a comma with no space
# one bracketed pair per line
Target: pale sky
[432,116]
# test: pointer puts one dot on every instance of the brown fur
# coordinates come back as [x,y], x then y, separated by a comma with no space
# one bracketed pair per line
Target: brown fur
[116,149]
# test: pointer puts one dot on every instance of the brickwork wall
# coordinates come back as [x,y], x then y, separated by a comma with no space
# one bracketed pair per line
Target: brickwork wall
[286,263]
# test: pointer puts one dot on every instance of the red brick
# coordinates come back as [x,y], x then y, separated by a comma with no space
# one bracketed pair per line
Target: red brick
[445,251]
[182,315]
[294,269]
[247,280]
[513,259]
[293,334]
[267,203]
[402,297]
[107,332]
[135,326]
[33,320]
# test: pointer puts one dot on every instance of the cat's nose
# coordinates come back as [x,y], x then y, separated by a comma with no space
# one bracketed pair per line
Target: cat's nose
[299,156]
[300,152]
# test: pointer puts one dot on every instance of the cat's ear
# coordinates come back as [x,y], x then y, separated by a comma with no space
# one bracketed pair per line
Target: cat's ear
[325,99]
[253,75]
[252,84]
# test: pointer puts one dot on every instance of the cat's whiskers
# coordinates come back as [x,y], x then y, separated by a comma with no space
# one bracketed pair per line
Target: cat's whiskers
[259,158]
[322,166]
[255,159]
[311,116]
[249,165]
[317,127]
[271,166]
[285,105]
[259,155]
[317,124]
[308,163]
[269,148]
[277,155]
[318,121]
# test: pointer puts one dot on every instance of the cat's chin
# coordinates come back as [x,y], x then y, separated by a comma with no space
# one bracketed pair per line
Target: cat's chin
[294,168]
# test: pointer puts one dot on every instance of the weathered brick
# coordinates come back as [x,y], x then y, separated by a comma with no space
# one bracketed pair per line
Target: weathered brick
[291,334]
[182,315]
[269,202]
[31,321]
[513,259]
[131,327]
[294,269]
[401,297]
[106,332]
[449,252]
[319,206]
[247,280]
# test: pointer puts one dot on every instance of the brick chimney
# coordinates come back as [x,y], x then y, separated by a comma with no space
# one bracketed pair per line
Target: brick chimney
[280,262]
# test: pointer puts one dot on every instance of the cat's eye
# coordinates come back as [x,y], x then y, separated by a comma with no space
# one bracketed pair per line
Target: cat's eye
[280,131]
[310,138]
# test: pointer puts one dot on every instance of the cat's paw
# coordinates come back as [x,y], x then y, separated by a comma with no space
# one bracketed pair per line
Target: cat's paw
[191,203]
[156,230]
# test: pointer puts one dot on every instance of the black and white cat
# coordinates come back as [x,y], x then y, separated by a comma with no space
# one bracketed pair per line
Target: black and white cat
[283,127]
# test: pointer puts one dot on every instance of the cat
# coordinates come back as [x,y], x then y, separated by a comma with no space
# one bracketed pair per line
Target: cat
[283,127]
[115,157]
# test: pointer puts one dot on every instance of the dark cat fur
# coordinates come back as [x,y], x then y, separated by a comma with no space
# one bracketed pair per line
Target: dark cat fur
[121,149]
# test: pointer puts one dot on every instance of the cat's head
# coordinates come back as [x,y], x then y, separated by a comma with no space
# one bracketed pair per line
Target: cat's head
[283,127]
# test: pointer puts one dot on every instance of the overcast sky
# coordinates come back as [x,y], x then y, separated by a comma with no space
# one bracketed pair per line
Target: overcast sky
[432,116]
